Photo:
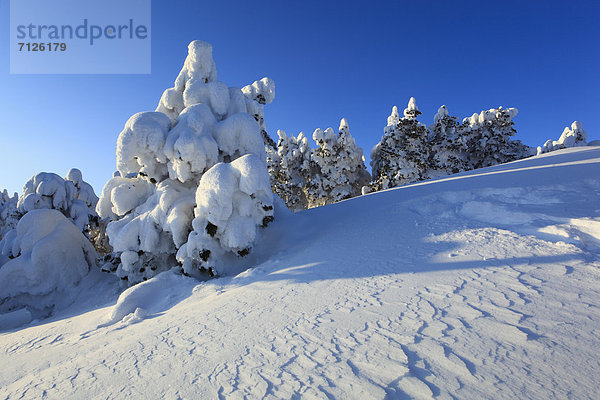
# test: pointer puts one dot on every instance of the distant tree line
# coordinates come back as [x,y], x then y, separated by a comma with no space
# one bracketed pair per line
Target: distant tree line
[409,151]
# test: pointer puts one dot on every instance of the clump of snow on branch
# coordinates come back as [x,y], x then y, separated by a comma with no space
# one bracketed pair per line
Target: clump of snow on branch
[257,95]
[232,200]
[571,137]
[140,146]
[190,146]
[199,161]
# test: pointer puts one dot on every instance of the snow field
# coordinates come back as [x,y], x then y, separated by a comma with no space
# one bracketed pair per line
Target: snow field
[478,285]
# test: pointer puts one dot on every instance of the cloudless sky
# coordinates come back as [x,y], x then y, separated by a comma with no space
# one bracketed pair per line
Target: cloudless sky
[329,59]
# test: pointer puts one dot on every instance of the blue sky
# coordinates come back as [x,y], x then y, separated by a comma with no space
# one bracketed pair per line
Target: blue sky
[329,59]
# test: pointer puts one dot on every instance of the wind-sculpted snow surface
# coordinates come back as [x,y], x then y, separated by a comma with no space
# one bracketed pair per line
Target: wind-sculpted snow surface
[484,284]
[202,131]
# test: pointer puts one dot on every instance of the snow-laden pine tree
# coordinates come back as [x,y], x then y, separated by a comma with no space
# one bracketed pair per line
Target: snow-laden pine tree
[402,154]
[289,168]
[9,215]
[337,170]
[45,243]
[72,196]
[447,148]
[486,137]
[571,137]
[192,187]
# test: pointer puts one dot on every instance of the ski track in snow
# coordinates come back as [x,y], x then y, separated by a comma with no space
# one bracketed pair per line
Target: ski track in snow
[480,287]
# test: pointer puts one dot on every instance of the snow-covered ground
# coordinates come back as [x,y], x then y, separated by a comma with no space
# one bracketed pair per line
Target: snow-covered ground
[479,285]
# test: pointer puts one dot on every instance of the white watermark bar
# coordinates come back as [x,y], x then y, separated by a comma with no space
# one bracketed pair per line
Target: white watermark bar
[80,37]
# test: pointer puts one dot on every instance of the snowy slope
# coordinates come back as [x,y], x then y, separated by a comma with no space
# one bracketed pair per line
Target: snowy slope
[480,285]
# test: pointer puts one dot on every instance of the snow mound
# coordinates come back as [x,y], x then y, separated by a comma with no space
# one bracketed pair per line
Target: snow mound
[153,296]
[47,256]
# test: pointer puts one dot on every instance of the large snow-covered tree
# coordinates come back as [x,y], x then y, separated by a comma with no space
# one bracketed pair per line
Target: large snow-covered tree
[402,154]
[192,186]
[573,136]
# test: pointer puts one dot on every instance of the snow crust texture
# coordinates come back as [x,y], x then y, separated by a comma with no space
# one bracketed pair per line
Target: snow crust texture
[483,284]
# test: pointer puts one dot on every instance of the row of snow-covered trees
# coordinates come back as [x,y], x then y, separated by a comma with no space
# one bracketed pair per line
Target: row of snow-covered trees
[410,152]
[306,177]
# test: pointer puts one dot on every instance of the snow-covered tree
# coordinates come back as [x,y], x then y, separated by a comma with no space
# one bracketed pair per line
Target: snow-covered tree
[487,138]
[447,149]
[9,215]
[45,244]
[41,260]
[72,196]
[402,155]
[192,187]
[289,168]
[571,137]
[305,177]
[338,169]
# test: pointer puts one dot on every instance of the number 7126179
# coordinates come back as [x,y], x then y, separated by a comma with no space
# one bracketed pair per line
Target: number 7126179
[42,46]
